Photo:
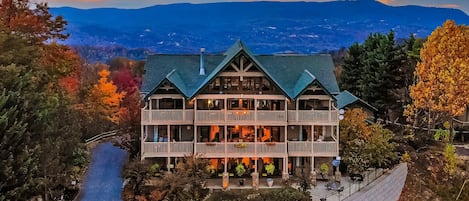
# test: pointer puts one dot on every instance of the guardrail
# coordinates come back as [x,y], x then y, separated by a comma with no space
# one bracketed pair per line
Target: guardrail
[102,136]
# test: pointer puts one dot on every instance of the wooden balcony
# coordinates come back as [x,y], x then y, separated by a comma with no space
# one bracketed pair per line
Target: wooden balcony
[210,149]
[240,149]
[160,149]
[158,117]
[325,149]
[319,116]
[162,117]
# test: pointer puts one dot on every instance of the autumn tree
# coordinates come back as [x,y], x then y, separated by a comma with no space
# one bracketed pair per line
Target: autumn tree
[364,146]
[442,76]
[104,100]
[32,20]
[44,151]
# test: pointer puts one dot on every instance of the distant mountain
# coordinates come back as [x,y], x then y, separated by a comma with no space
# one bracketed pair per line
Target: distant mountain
[267,27]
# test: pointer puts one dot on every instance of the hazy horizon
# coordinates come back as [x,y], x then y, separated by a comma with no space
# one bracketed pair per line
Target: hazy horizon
[131,4]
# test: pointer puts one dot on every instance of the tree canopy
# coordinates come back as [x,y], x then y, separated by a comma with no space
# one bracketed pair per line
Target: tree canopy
[442,74]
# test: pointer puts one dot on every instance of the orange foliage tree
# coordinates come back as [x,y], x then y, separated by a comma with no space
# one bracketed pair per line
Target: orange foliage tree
[104,99]
[32,20]
[442,76]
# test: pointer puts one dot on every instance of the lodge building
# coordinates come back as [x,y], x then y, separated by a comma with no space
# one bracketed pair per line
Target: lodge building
[239,107]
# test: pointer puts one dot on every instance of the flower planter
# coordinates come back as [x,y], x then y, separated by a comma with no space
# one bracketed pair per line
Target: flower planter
[270,182]
[270,143]
[240,145]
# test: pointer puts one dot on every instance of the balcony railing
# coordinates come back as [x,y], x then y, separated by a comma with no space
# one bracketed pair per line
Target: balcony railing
[240,149]
[220,116]
[210,115]
[168,116]
[320,116]
[296,148]
[271,148]
[240,115]
[210,149]
[271,116]
[325,148]
[160,149]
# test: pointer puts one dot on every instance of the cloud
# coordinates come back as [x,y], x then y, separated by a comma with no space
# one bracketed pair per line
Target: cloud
[445,5]
[387,1]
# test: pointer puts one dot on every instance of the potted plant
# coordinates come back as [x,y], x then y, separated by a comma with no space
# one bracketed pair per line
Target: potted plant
[270,168]
[155,169]
[324,170]
[240,170]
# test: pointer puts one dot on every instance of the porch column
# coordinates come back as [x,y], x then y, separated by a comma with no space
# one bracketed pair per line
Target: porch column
[226,108]
[150,109]
[168,128]
[297,109]
[168,163]
[255,176]
[255,110]
[195,139]
[312,146]
[195,110]
[226,140]
[142,139]
[255,141]
[226,176]
[285,158]
[337,138]
[183,109]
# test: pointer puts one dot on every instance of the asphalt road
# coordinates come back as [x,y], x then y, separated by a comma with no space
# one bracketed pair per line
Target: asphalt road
[103,181]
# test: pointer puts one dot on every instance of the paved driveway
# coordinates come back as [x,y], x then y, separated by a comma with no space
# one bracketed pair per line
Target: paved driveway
[103,181]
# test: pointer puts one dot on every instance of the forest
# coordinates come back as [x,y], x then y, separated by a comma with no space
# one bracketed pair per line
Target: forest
[51,100]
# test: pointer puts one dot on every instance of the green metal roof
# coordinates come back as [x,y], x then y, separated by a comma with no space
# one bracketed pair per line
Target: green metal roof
[291,73]
[345,98]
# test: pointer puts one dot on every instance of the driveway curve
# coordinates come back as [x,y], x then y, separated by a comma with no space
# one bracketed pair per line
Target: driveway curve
[103,180]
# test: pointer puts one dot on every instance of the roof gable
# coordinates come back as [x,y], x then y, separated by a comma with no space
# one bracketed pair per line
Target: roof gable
[345,98]
[232,52]
[292,74]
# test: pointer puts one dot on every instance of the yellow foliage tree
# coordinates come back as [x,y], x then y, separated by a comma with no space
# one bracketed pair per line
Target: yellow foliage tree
[442,74]
[104,98]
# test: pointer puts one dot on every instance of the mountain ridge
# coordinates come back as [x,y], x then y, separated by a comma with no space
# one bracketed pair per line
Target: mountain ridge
[267,27]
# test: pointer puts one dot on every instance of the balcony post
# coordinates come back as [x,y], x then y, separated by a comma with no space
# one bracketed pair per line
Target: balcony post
[225,101]
[142,139]
[150,115]
[312,148]
[168,128]
[330,106]
[195,110]
[338,137]
[286,111]
[255,110]
[255,140]
[285,158]
[312,139]
[195,139]
[297,108]
[226,139]
[183,109]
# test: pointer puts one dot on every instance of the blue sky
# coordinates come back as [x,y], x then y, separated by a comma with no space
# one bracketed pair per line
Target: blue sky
[458,4]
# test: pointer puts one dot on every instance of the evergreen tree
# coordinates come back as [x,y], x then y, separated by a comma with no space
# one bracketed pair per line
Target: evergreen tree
[352,69]
[371,71]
